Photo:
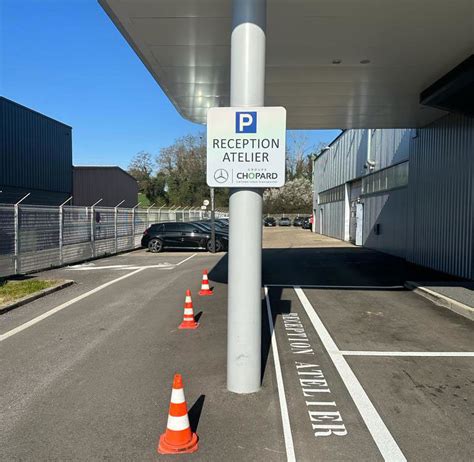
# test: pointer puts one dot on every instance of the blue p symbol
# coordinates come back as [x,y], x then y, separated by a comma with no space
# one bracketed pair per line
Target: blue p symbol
[246,122]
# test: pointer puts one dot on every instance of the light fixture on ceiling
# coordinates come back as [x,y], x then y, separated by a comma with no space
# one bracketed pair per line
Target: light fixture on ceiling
[337,61]
[365,61]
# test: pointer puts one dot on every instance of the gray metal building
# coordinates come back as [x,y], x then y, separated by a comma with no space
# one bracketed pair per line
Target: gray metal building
[35,156]
[406,192]
[109,183]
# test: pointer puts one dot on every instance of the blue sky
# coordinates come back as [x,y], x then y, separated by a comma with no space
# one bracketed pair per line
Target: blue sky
[65,59]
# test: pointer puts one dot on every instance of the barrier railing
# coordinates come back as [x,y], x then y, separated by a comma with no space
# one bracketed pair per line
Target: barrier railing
[34,237]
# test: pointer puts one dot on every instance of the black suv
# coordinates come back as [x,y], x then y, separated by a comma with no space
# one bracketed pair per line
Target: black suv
[176,235]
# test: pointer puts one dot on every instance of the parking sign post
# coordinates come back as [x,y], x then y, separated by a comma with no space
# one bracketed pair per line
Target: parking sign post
[245,208]
[213,222]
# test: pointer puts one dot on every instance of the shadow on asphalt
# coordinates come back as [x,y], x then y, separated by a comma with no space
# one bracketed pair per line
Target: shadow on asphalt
[279,307]
[194,413]
[351,266]
[328,266]
[197,316]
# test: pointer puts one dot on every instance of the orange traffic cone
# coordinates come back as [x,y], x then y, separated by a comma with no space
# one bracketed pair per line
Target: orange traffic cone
[205,289]
[188,317]
[178,437]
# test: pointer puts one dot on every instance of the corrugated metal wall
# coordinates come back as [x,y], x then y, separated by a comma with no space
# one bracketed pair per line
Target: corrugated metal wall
[111,184]
[390,146]
[10,195]
[431,222]
[389,210]
[346,157]
[441,197]
[333,225]
[35,151]
[343,161]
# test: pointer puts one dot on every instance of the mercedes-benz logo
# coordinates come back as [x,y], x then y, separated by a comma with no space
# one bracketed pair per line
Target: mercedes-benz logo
[221,175]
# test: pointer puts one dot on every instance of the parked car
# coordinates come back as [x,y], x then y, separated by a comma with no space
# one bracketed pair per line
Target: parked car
[284,221]
[298,221]
[269,221]
[224,222]
[307,223]
[177,235]
[218,226]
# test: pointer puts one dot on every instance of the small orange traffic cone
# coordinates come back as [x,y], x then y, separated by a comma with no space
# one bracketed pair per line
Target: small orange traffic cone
[178,437]
[205,289]
[188,317]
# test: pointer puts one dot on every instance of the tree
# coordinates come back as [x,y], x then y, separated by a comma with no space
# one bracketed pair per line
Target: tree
[298,156]
[183,164]
[156,189]
[141,168]
[299,152]
[296,196]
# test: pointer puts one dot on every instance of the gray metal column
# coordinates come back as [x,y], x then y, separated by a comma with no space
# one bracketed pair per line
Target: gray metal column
[247,83]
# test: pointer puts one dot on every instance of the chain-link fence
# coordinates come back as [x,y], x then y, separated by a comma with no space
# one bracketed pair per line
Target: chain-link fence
[36,237]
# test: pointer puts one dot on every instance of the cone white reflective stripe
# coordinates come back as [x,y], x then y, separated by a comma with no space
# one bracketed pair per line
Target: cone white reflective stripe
[188,299]
[177,396]
[178,423]
[188,311]
[204,277]
[205,286]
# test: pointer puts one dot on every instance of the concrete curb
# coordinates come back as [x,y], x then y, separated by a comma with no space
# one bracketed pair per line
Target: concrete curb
[35,296]
[441,300]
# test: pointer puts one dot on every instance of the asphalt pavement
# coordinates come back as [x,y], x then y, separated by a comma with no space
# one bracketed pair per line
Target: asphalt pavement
[358,368]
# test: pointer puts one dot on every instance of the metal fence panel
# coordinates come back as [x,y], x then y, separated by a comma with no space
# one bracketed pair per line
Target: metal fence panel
[38,238]
[7,239]
[33,238]
[76,234]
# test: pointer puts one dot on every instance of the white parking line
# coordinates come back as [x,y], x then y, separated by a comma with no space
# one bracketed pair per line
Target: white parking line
[49,313]
[186,259]
[436,354]
[92,266]
[285,419]
[381,435]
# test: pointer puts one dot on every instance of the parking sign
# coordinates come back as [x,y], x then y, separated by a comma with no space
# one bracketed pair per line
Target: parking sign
[246,147]
[246,122]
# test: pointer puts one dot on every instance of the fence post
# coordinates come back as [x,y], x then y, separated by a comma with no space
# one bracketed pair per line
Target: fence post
[17,234]
[115,230]
[61,231]
[133,228]
[17,239]
[115,225]
[93,252]
[60,235]
[92,233]
[159,213]
[133,225]
[148,215]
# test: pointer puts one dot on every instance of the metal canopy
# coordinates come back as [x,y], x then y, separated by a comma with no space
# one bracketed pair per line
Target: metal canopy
[317,53]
